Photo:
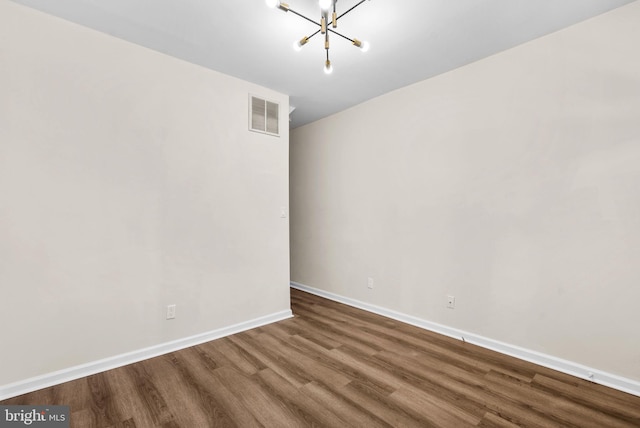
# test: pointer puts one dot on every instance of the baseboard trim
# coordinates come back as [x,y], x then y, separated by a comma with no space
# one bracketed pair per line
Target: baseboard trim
[76,372]
[569,367]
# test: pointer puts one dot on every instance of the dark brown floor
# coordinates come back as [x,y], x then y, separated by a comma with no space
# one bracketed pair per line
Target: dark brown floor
[333,365]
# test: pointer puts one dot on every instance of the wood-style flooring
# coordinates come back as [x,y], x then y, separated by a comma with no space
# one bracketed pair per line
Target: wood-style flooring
[336,366]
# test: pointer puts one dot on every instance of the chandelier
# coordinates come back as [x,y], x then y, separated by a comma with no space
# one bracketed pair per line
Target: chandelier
[327,25]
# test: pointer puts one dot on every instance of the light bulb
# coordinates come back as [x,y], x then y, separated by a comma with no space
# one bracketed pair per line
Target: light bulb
[325,4]
[363,46]
[297,46]
[328,68]
[272,3]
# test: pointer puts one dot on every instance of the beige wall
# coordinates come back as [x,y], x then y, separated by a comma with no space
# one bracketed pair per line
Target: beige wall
[512,183]
[128,181]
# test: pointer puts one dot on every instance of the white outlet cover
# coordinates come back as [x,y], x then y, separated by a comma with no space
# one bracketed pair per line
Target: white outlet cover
[451,302]
[171,312]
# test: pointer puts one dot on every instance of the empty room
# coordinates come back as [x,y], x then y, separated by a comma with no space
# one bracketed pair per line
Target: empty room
[335,213]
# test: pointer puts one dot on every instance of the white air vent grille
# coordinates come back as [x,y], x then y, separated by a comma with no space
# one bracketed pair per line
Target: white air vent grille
[264,116]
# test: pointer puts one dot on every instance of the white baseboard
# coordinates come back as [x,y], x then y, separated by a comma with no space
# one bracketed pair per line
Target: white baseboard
[578,370]
[72,373]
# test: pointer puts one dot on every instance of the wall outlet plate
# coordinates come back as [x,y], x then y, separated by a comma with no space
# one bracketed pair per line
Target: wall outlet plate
[451,302]
[171,312]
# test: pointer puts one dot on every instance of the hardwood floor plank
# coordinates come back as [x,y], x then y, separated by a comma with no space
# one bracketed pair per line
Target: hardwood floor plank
[333,365]
[227,353]
[313,413]
[199,395]
[437,383]
[316,337]
[331,360]
[266,408]
[102,403]
[471,394]
[270,359]
[590,397]
[152,401]
[568,411]
[129,423]
[126,399]
[180,399]
[491,420]
[394,413]
[83,418]
[344,334]
[351,413]
[299,362]
[76,395]
[432,409]
[220,393]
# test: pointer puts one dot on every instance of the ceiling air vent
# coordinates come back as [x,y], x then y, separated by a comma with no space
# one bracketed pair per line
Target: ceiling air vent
[263,116]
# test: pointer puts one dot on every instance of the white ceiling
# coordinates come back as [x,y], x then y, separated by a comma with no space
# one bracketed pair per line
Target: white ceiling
[411,40]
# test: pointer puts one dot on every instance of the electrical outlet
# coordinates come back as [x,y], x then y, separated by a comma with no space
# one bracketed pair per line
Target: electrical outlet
[369,282]
[451,302]
[171,312]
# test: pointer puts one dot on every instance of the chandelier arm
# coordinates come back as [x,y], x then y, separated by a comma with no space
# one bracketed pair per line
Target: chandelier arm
[350,9]
[343,36]
[320,25]
[304,17]
[309,37]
